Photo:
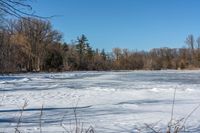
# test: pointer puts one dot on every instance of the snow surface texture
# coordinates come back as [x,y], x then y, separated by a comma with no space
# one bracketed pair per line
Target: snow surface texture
[111,102]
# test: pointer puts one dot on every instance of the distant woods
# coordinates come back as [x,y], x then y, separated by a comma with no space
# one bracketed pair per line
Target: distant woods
[32,44]
[29,44]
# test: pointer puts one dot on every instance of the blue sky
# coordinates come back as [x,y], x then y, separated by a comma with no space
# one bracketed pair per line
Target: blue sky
[132,24]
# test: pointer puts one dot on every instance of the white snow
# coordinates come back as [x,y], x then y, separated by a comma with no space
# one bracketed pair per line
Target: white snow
[111,102]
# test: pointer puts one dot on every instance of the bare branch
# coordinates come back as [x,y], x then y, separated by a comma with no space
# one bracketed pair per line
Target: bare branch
[19,9]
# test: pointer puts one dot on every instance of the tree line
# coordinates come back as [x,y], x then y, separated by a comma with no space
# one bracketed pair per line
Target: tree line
[31,44]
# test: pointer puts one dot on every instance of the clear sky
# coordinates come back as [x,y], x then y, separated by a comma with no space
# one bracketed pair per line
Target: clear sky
[132,24]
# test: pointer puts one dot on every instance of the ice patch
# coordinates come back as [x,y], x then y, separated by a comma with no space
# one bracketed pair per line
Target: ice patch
[129,106]
[155,90]
[53,86]
[64,76]
[102,89]
[20,80]
[189,90]
[162,89]
[2,82]
[23,80]
[13,80]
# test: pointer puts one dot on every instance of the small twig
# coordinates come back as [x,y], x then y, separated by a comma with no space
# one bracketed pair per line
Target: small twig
[62,124]
[173,103]
[151,128]
[20,117]
[81,128]
[90,130]
[75,117]
[41,114]
[19,9]
[172,112]
[188,116]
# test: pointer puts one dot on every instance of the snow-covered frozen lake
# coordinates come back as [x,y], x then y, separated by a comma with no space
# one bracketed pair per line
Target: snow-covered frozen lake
[111,102]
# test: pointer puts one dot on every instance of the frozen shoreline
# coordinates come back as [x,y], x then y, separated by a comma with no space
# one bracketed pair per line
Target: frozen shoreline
[109,101]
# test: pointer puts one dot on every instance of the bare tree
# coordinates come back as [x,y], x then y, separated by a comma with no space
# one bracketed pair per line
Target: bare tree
[39,34]
[198,42]
[190,41]
[198,51]
[191,44]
